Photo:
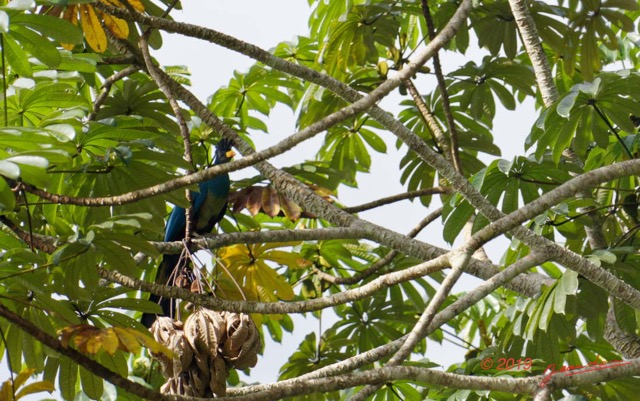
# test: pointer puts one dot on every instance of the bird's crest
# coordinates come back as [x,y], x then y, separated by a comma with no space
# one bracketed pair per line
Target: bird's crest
[223,151]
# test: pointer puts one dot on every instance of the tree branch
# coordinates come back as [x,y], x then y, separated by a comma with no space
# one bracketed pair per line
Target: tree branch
[341,298]
[442,86]
[533,45]
[453,310]
[106,88]
[396,198]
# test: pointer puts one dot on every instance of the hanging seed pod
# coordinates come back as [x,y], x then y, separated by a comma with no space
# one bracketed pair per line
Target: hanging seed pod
[219,374]
[204,330]
[183,353]
[168,332]
[242,343]
[199,381]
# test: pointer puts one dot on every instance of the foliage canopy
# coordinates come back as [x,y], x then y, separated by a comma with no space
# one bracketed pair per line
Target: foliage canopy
[99,142]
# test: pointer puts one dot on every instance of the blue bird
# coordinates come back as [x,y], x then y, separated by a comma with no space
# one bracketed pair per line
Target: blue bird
[208,207]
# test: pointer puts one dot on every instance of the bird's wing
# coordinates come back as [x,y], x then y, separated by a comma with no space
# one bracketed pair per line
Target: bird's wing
[174,230]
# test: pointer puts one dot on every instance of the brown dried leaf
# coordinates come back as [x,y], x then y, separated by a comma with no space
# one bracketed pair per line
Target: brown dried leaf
[238,199]
[199,381]
[254,201]
[183,354]
[219,374]
[242,344]
[270,201]
[291,209]
[204,330]
[168,333]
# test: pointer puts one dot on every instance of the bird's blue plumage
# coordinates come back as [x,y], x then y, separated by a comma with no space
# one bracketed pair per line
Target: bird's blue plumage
[208,207]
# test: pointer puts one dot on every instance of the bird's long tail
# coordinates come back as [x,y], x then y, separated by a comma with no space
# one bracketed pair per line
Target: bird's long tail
[164,276]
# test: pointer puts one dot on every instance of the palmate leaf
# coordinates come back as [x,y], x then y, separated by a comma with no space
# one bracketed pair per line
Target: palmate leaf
[258,90]
[302,50]
[249,267]
[593,24]
[139,96]
[345,147]
[312,355]
[583,116]
[15,388]
[30,106]
[477,85]
[352,41]
[504,184]
[373,321]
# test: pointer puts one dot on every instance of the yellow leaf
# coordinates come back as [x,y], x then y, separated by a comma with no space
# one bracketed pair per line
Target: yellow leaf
[249,270]
[5,391]
[92,344]
[137,4]
[110,341]
[71,15]
[128,342]
[22,377]
[117,26]
[96,38]
[289,259]
[36,387]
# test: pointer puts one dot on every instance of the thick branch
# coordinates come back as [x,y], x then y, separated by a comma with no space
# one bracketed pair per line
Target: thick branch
[341,298]
[533,45]
[297,387]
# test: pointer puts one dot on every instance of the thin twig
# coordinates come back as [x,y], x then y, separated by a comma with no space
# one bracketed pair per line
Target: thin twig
[399,197]
[442,86]
[106,88]
[382,262]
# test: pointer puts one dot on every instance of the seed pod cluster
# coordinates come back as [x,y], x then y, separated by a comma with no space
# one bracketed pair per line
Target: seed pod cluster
[205,347]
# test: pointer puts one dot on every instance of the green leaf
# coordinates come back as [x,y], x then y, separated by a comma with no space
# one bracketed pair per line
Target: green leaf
[52,27]
[21,4]
[16,57]
[566,104]
[39,47]
[9,170]
[7,198]
[67,378]
[91,384]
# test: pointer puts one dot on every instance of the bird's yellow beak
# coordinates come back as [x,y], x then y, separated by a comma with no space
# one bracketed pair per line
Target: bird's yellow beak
[230,154]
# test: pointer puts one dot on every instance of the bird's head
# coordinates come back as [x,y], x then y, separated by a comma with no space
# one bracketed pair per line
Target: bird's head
[223,151]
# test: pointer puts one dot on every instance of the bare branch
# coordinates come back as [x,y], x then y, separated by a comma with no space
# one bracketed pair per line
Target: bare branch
[106,88]
[399,197]
[533,45]
[442,87]
[207,301]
